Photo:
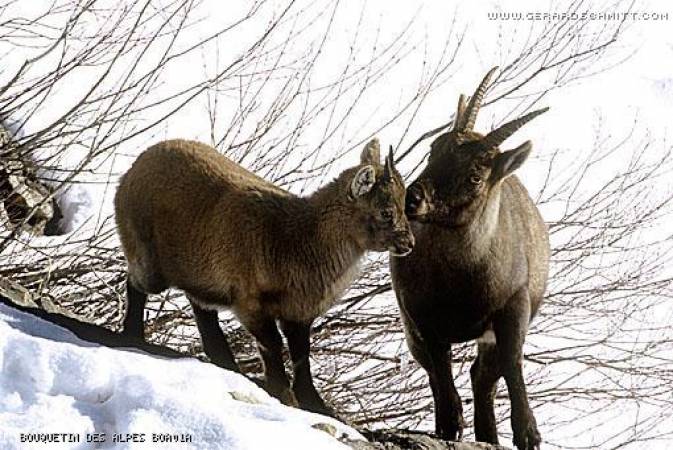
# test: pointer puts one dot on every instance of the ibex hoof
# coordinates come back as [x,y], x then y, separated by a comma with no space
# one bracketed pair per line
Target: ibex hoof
[287,397]
[530,439]
[321,408]
[452,431]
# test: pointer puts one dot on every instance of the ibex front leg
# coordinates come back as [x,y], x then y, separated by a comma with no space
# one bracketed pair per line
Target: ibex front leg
[511,327]
[270,344]
[448,406]
[436,360]
[485,373]
[214,342]
[298,339]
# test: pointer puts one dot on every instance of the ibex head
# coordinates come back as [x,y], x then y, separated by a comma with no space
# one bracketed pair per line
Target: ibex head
[378,193]
[465,167]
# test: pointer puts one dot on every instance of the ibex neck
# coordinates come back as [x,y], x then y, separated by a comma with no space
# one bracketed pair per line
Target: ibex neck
[323,250]
[336,221]
[474,240]
[483,229]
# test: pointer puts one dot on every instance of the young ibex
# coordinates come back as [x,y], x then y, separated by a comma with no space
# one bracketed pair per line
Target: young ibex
[479,270]
[190,218]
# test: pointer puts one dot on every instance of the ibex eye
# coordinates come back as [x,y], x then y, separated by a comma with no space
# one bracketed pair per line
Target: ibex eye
[386,214]
[475,179]
[415,193]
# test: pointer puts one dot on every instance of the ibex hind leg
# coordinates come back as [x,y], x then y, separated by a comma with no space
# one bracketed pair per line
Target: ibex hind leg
[145,273]
[143,278]
[135,308]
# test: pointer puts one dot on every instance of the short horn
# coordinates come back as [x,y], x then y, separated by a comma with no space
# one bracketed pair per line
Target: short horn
[469,116]
[389,164]
[498,136]
[460,110]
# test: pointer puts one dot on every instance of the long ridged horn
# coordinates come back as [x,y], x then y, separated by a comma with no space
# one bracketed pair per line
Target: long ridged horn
[389,165]
[498,136]
[467,119]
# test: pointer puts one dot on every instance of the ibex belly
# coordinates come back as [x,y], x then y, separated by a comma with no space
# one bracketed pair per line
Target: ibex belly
[456,321]
[302,301]
[453,307]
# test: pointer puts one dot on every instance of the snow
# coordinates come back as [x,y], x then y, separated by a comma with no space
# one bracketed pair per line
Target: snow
[77,206]
[52,382]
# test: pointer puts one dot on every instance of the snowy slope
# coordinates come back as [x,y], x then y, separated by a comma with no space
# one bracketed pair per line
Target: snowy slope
[52,382]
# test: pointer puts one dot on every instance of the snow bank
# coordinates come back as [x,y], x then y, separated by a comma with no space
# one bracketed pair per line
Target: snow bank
[55,387]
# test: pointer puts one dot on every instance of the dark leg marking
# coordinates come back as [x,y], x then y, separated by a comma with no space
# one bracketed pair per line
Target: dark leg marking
[298,338]
[214,342]
[511,326]
[449,422]
[270,344]
[436,360]
[135,310]
[485,372]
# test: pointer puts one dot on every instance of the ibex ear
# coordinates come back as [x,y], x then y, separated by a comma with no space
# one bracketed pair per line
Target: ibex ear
[363,181]
[504,164]
[371,153]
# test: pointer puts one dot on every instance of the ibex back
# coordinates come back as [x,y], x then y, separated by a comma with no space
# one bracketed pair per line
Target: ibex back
[479,269]
[190,218]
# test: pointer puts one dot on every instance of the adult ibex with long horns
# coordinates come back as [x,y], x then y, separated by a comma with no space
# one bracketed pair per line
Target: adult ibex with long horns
[190,218]
[478,271]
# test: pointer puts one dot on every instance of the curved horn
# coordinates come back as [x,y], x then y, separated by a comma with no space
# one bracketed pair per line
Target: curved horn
[389,165]
[498,136]
[469,116]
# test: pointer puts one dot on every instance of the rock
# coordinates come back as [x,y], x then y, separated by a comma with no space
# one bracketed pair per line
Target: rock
[326,427]
[244,397]
[18,294]
[412,440]
[25,201]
